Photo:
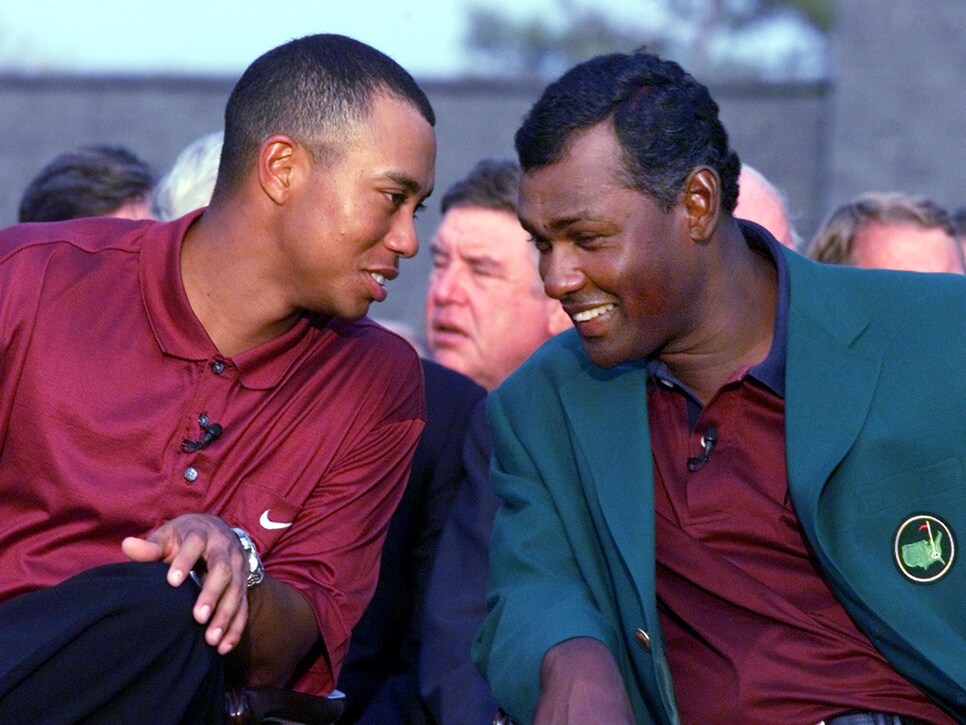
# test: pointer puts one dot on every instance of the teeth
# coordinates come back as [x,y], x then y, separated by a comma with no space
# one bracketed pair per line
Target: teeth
[380,278]
[592,313]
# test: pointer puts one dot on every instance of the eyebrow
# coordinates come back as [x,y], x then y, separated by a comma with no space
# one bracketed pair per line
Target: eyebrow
[474,260]
[408,183]
[556,225]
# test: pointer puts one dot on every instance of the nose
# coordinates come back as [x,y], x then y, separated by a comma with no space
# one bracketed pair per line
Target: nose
[560,272]
[447,283]
[402,237]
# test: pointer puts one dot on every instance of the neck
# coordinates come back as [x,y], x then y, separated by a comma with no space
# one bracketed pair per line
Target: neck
[735,318]
[227,287]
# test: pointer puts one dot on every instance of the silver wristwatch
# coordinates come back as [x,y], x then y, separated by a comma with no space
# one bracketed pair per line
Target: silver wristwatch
[256,572]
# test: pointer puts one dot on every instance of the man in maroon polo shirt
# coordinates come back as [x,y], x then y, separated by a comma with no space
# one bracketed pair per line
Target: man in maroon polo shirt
[202,438]
[733,494]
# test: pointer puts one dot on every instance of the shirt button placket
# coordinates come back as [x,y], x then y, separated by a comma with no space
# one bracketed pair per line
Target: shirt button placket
[217,367]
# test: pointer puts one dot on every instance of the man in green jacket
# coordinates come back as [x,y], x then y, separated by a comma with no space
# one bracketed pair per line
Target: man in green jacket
[733,493]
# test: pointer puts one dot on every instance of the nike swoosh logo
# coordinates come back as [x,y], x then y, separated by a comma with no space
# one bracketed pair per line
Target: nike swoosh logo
[267,523]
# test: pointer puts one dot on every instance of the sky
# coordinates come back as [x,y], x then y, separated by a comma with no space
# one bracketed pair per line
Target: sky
[223,36]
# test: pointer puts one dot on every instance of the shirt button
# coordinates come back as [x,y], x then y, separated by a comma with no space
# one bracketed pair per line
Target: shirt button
[218,367]
[643,639]
[191,474]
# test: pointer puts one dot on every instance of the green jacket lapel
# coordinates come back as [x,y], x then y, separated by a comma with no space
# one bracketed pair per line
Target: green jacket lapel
[828,385]
[606,411]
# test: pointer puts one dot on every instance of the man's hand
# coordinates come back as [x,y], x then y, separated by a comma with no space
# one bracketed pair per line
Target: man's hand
[193,538]
[580,683]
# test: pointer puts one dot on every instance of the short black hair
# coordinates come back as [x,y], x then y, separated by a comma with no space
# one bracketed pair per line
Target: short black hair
[312,89]
[666,122]
[91,181]
[491,184]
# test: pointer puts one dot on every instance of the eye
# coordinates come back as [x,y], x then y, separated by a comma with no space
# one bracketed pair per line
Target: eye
[418,210]
[396,198]
[540,243]
[585,238]
[484,270]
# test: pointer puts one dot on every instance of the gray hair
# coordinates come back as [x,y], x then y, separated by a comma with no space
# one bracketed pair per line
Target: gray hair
[191,180]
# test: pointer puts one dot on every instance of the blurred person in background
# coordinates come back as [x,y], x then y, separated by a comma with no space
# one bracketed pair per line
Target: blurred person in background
[380,677]
[91,181]
[760,201]
[485,308]
[191,180]
[486,312]
[889,231]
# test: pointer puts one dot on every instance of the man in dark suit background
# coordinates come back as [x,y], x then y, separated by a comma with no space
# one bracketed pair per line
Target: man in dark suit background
[485,313]
[379,676]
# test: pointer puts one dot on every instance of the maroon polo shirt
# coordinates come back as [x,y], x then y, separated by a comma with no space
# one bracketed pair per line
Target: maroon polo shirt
[753,632]
[105,370]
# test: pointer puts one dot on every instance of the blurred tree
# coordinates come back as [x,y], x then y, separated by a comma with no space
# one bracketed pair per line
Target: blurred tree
[772,39]
[820,12]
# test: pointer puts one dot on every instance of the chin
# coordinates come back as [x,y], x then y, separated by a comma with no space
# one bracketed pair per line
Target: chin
[606,356]
[448,359]
[351,315]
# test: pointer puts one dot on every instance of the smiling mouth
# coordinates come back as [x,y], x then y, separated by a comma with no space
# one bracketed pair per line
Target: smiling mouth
[587,315]
[380,278]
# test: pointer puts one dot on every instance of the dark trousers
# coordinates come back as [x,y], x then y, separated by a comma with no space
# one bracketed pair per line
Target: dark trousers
[115,644]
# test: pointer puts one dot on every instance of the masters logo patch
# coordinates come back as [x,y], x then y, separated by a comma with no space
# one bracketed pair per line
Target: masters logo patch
[924,548]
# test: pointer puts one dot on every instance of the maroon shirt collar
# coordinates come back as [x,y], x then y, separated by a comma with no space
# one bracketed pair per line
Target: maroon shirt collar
[178,331]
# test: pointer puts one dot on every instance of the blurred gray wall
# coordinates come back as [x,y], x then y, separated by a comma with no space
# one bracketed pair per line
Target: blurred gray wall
[900,101]
[892,118]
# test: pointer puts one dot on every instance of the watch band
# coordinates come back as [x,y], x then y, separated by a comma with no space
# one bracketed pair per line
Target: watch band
[256,571]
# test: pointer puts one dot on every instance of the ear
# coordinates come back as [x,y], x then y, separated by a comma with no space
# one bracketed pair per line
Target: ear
[702,202]
[278,160]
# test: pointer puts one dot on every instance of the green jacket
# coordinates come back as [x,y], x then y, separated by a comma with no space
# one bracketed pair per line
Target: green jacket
[875,406]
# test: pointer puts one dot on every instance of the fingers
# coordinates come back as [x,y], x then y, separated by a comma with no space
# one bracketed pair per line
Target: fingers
[222,604]
[234,629]
[223,601]
[155,548]
[192,542]
[141,550]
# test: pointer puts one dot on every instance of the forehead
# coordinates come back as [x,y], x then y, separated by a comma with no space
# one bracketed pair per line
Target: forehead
[395,140]
[905,246]
[591,166]
[478,230]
